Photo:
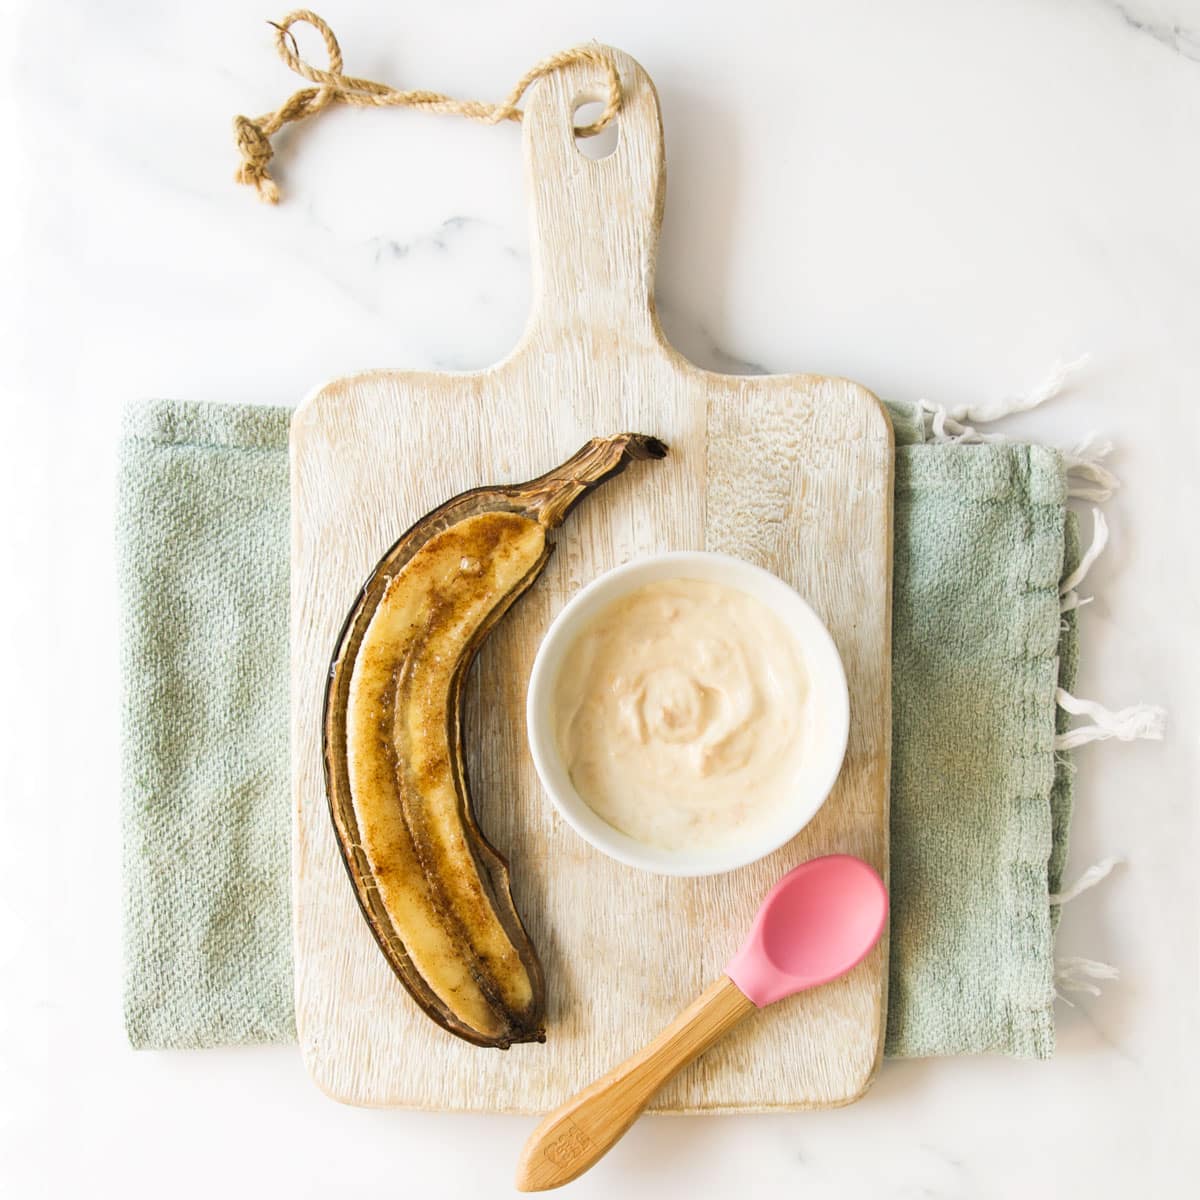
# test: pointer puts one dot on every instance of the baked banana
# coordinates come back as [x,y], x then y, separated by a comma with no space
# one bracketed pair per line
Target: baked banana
[435,893]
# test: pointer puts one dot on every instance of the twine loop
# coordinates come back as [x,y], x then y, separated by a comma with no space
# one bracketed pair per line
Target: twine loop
[253,135]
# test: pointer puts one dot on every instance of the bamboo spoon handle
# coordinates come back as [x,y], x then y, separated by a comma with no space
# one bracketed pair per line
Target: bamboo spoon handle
[587,1126]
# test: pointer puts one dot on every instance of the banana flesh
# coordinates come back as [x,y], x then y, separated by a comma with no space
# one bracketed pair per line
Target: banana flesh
[435,893]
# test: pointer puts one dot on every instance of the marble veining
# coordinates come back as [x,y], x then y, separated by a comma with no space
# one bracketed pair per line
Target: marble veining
[1163,20]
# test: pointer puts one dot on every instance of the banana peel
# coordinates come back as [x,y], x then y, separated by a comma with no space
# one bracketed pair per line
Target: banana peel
[434,891]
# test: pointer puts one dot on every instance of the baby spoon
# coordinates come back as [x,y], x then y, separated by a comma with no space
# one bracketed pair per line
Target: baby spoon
[820,920]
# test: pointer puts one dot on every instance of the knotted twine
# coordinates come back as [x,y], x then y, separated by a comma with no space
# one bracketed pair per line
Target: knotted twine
[253,136]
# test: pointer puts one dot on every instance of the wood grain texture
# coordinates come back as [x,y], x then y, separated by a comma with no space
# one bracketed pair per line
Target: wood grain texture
[792,472]
[577,1134]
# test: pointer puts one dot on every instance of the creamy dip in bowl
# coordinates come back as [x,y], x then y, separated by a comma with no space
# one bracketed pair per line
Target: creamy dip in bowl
[687,713]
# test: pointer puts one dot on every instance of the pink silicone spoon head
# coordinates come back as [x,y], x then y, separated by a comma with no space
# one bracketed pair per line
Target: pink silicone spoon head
[819,921]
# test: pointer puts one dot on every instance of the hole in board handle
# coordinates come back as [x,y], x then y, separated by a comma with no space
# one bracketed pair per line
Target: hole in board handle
[599,145]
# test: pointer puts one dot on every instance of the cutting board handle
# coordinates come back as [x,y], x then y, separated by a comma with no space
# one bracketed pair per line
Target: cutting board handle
[595,221]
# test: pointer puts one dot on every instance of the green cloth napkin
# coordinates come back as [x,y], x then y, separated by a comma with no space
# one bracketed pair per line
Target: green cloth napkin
[980,800]
[203,568]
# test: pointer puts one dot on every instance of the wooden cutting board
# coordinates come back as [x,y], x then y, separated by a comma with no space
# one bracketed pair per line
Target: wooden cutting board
[791,472]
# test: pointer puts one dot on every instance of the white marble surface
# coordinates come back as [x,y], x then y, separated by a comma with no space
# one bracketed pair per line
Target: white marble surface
[936,199]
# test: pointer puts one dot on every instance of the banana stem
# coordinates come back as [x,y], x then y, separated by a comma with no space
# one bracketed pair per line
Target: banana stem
[551,497]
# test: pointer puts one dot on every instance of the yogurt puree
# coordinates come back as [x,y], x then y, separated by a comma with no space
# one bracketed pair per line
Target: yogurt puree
[682,714]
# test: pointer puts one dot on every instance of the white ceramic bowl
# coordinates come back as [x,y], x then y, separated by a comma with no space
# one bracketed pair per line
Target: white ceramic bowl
[828,699]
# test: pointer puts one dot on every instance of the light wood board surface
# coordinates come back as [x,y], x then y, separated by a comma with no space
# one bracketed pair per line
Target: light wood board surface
[790,472]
